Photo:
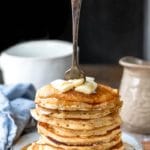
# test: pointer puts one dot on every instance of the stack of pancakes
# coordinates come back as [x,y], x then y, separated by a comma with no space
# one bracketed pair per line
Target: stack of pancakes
[77,121]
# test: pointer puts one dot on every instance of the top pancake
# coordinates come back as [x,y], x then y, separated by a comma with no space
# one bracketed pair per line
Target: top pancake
[103,94]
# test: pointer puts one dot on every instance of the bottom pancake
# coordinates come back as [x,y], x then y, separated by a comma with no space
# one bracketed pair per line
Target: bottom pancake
[120,146]
[26,147]
[38,146]
[45,140]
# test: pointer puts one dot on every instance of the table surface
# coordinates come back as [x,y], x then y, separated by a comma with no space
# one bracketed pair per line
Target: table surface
[105,74]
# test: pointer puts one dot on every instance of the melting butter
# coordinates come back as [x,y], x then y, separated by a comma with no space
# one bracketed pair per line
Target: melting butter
[87,87]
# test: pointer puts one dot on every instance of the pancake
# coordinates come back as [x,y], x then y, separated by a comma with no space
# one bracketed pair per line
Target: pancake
[79,133]
[61,104]
[40,146]
[79,140]
[26,147]
[102,94]
[49,141]
[75,114]
[77,124]
[120,146]
[36,146]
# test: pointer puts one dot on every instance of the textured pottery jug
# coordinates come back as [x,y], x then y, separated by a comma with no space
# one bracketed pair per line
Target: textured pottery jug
[135,93]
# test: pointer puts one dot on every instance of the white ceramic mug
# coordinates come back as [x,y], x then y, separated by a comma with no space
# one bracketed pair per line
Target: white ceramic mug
[36,62]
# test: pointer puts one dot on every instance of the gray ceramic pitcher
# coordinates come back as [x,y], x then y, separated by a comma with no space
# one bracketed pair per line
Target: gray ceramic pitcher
[135,93]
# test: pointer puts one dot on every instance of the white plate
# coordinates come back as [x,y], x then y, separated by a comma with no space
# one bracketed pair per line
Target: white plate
[31,137]
[129,139]
[25,140]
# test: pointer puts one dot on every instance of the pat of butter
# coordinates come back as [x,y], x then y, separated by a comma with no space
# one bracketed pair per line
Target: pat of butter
[87,87]
[62,85]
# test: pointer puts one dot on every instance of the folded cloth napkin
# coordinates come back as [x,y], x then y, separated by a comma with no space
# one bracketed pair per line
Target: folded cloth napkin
[15,104]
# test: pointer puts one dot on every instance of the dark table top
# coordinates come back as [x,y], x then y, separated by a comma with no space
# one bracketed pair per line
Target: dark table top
[105,74]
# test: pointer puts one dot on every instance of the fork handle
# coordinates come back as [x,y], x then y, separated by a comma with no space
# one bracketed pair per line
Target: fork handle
[76,7]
